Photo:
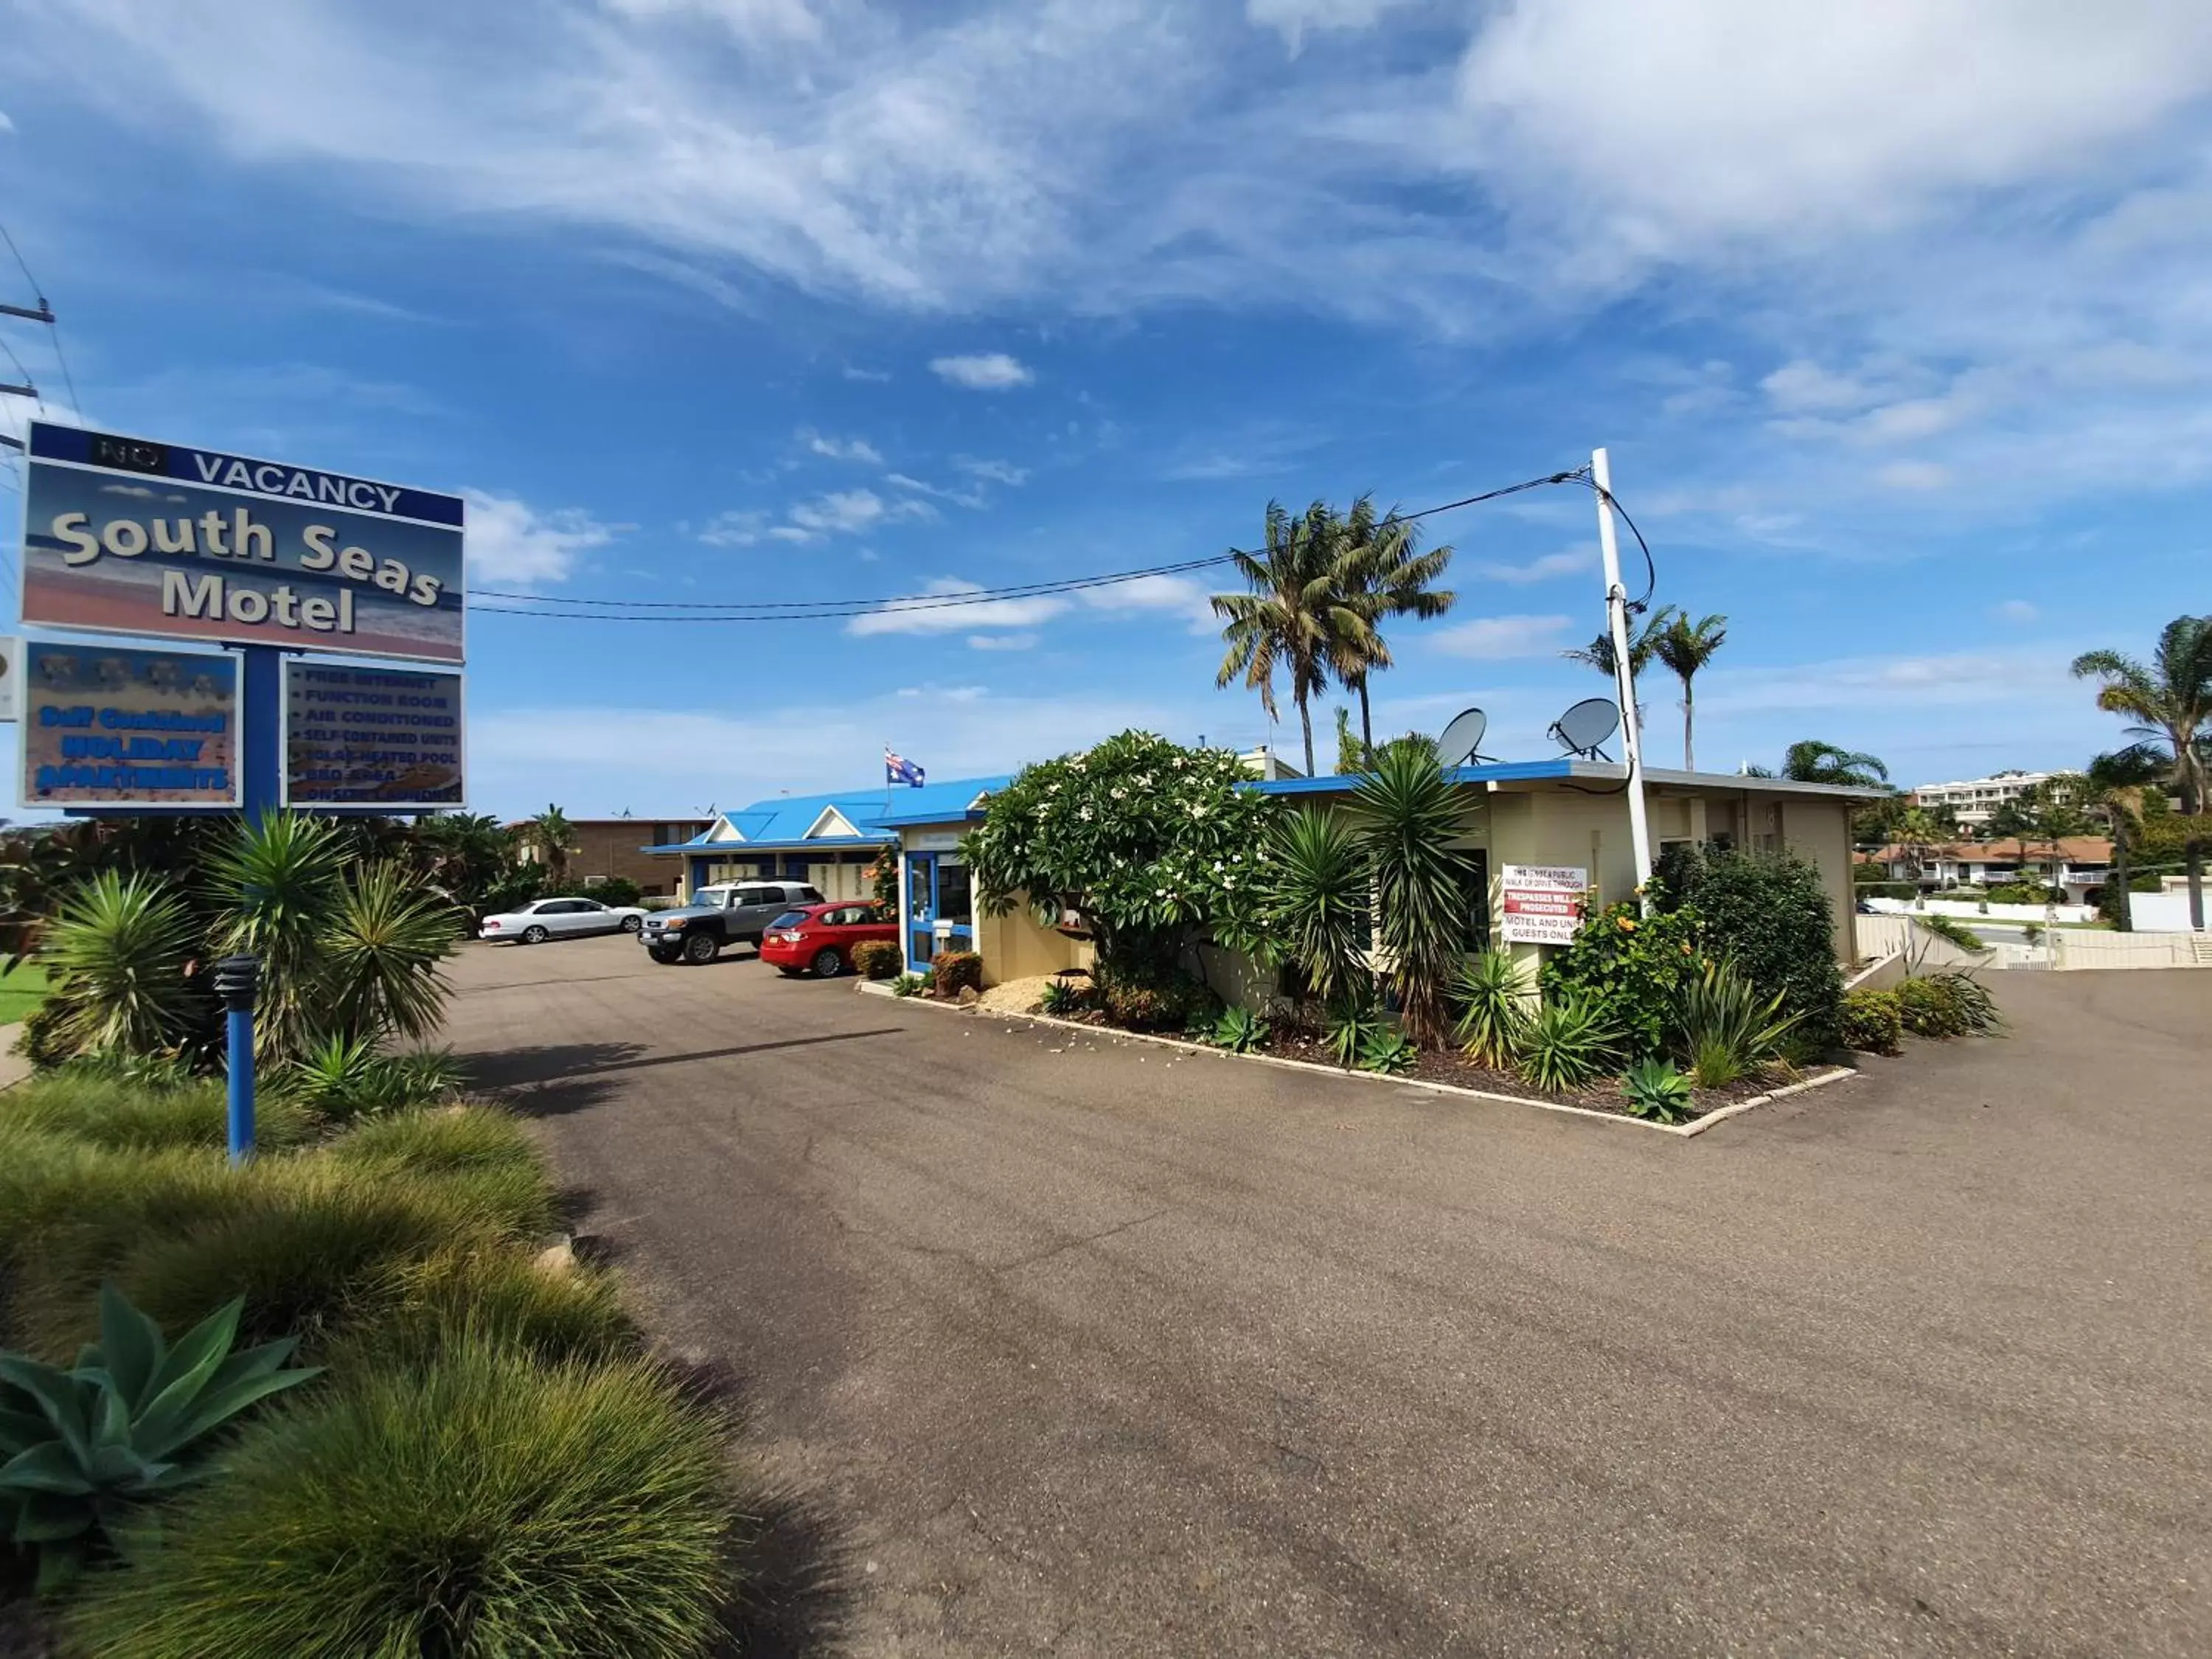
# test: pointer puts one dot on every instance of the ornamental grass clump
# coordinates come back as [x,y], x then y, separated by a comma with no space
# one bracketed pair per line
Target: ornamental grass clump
[1570,1042]
[1729,1030]
[480,1504]
[82,1105]
[553,1313]
[1494,992]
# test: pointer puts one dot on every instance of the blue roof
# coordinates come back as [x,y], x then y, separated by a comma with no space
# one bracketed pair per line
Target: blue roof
[780,824]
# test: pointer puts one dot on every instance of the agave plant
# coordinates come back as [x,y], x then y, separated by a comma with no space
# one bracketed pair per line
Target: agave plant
[1239,1030]
[1655,1090]
[1389,1050]
[1059,997]
[1570,1041]
[80,1448]
[345,1078]
[382,945]
[116,956]
[1493,991]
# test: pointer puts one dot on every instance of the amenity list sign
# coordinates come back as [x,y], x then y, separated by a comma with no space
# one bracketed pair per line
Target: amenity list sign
[363,737]
[1542,902]
[120,727]
[128,536]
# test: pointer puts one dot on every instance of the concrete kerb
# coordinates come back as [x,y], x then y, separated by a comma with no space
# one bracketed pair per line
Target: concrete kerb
[1820,1079]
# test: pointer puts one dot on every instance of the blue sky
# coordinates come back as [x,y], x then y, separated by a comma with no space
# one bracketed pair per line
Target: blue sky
[1896,317]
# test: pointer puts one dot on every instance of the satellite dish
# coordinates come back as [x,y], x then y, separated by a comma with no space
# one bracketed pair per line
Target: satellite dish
[1462,741]
[1587,725]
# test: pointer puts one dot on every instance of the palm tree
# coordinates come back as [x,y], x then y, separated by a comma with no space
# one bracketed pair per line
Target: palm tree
[1380,572]
[550,833]
[2115,782]
[2171,702]
[1295,616]
[1642,642]
[1814,762]
[1915,832]
[1685,647]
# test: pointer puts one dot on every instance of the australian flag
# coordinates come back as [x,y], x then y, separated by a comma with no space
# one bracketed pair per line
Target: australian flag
[898,769]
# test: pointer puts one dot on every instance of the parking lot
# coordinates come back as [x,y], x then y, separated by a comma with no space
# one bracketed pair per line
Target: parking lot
[1061,1344]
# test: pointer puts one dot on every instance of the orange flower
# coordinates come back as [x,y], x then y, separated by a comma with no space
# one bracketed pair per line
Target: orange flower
[1626,925]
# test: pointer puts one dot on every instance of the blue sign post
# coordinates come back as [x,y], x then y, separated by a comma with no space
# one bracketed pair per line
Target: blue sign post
[236,979]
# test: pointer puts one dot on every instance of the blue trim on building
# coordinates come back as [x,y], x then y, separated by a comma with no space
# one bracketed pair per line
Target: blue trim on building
[1504,772]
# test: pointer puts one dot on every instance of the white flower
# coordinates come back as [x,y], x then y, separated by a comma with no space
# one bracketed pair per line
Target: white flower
[1120,794]
[1087,815]
[1159,892]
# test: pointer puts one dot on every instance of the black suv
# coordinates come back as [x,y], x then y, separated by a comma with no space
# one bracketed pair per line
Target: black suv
[729,913]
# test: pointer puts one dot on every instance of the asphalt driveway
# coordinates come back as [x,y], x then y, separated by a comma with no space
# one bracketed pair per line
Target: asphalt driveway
[1084,1348]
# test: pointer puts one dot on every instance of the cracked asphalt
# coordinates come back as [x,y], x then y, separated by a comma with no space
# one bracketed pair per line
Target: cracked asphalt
[1067,1345]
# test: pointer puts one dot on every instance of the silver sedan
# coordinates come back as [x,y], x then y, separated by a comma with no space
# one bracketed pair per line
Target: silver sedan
[554,917]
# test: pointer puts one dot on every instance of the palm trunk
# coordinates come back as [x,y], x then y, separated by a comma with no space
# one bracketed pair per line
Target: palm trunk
[1366,730]
[1305,720]
[2124,918]
[2193,852]
[1689,723]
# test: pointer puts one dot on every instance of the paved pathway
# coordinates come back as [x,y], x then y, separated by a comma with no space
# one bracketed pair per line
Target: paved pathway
[1085,1350]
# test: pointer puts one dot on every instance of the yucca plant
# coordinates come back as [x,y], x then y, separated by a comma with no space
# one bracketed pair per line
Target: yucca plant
[1239,1030]
[115,957]
[381,947]
[1406,814]
[1389,1050]
[1355,1017]
[1312,911]
[1059,996]
[343,1078]
[281,882]
[1655,1090]
[1494,993]
[1729,1030]
[1570,1041]
[78,1448]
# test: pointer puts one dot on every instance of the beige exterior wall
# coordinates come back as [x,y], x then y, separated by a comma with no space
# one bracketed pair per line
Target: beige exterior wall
[840,881]
[1820,832]
[1018,946]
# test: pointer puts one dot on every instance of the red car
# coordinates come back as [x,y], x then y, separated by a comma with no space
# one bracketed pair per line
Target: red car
[822,937]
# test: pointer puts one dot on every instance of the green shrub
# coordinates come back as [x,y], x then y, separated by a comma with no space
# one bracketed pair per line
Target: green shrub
[498,1295]
[1728,1030]
[1239,1030]
[1493,994]
[956,971]
[81,1103]
[619,890]
[909,985]
[1887,890]
[79,1448]
[71,1212]
[878,959]
[1952,931]
[480,1504]
[1632,966]
[343,1078]
[1872,1021]
[1389,1050]
[1570,1040]
[1157,1001]
[1946,1005]
[1655,1090]
[2021,892]
[1767,915]
[442,1140]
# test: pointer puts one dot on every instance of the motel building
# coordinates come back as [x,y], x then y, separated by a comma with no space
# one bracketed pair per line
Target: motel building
[1562,814]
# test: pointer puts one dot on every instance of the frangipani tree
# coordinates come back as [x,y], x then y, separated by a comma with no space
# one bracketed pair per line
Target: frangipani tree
[1145,840]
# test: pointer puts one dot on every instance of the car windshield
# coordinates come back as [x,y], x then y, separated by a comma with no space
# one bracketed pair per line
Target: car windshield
[713,897]
[789,919]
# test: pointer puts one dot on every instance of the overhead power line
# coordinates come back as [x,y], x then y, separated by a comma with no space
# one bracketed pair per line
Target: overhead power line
[564,607]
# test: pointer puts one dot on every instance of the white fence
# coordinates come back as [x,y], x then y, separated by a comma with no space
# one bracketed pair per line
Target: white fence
[1969,909]
[2061,948]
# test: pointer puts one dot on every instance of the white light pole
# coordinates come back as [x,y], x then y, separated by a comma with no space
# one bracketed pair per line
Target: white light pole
[1623,678]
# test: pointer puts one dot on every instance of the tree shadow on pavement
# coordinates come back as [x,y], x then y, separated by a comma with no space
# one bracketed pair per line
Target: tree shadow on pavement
[512,1068]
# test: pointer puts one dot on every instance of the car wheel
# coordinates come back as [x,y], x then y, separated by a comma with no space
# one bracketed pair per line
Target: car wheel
[701,947]
[631,924]
[534,936]
[827,963]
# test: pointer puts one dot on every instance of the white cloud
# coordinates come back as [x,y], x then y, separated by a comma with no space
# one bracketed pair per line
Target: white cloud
[1005,472]
[6,126]
[1001,641]
[837,449]
[875,376]
[754,21]
[1569,562]
[510,541]
[1493,639]
[2017,611]
[1293,18]
[1942,679]
[990,371]
[1173,595]
[736,528]
[1913,475]
[1802,387]
[925,616]
[847,513]
[961,497]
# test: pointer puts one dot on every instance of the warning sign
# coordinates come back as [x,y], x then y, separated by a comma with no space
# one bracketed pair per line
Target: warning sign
[1542,902]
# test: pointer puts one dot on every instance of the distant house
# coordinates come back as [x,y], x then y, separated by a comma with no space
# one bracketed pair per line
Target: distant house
[1973,801]
[602,849]
[2082,864]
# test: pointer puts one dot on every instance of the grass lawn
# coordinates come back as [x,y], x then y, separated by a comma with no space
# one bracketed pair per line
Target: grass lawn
[22,990]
